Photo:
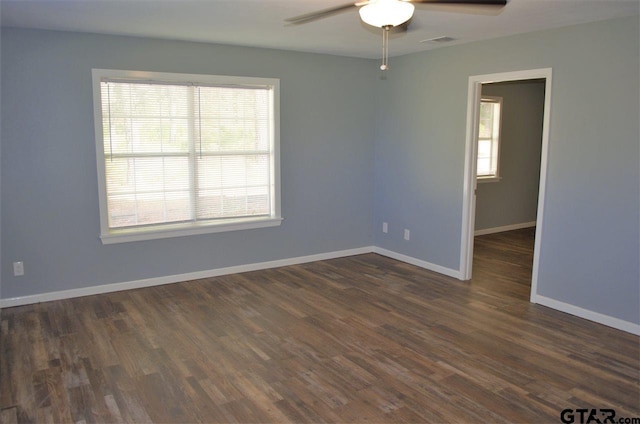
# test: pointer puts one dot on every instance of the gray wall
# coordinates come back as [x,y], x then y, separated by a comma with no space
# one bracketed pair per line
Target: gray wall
[514,199]
[49,185]
[590,237]
[336,138]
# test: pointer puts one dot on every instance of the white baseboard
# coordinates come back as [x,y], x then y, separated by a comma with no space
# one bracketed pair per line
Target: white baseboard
[504,228]
[607,320]
[157,281]
[418,262]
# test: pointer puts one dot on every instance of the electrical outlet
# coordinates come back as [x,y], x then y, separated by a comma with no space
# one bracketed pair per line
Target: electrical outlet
[18,269]
[407,234]
[385,227]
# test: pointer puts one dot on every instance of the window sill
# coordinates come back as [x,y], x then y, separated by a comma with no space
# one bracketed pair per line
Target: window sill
[180,230]
[489,179]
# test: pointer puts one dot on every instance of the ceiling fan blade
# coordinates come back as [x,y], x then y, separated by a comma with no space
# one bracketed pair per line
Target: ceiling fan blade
[309,17]
[464,2]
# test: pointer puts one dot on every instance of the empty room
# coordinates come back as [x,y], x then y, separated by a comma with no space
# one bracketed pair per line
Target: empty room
[319,211]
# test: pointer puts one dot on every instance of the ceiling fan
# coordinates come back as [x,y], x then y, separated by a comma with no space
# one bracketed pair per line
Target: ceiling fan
[386,14]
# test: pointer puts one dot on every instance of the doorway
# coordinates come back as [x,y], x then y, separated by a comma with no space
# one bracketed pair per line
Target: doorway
[470,180]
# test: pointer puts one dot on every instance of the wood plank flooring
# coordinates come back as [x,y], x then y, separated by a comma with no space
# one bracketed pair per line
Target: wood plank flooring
[359,339]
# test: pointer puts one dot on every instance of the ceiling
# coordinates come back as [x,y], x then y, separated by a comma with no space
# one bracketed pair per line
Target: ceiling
[260,23]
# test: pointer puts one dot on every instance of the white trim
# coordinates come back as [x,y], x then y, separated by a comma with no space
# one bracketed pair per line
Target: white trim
[470,183]
[177,278]
[542,186]
[482,180]
[470,179]
[504,228]
[157,281]
[154,233]
[417,262]
[607,320]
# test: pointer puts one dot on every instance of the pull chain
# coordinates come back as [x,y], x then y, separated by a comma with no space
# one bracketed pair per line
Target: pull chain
[385,47]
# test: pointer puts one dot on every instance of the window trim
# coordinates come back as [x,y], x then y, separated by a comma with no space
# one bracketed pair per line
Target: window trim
[496,177]
[167,230]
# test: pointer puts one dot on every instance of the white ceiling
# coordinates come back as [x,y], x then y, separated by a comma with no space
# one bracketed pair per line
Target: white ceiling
[260,23]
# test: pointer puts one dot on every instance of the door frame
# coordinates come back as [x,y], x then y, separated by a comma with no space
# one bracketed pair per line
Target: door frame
[470,182]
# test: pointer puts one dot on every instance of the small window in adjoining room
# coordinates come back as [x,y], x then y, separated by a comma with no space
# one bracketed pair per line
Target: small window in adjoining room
[182,154]
[488,168]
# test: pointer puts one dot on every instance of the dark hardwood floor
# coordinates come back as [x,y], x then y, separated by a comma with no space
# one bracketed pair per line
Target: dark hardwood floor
[359,339]
[502,263]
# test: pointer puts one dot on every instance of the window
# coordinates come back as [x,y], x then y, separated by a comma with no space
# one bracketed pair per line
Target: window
[185,154]
[489,139]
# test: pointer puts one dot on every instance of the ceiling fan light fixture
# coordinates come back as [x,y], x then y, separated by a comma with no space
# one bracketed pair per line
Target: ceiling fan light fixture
[382,13]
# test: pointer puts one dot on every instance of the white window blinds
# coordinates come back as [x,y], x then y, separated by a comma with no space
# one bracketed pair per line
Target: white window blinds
[489,137]
[186,153]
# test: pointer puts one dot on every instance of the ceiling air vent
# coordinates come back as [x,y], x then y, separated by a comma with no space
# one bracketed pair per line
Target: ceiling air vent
[439,40]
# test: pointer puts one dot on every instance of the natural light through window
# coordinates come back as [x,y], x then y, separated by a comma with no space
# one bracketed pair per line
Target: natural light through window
[185,154]
[489,139]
